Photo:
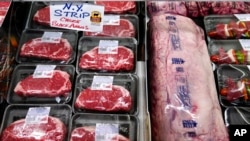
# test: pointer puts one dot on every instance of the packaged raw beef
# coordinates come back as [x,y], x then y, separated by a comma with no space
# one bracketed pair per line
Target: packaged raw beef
[47,46]
[118,7]
[162,7]
[99,54]
[41,84]
[93,127]
[183,98]
[109,93]
[118,26]
[234,85]
[229,51]
[35,123]
[227,27]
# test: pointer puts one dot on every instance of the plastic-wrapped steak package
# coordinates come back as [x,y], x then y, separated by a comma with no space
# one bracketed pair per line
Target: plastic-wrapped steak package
[99,54]
[183,96]
[118,26]
[162,7]
[93,127]
[229,51]
[47,46]
[226,27]
[36,123]
[119,7]
[234,85]
[41,84]
[109,93]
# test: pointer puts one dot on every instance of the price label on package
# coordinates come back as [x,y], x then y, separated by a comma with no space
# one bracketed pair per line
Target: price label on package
[106,132]
[37,115]
[77,16]
[242,17]
[102,83]
[111,20]
[245,44]
[108,47]
[52,37]
[44,71]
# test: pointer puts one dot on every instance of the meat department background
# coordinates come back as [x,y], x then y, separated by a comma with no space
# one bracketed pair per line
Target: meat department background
[168,93]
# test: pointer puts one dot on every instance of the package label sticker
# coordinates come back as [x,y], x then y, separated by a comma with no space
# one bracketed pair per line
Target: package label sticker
[77,16]
[37,115]
[44,71]
[52,37]
[111,20]
[106,132]
[242,17]
[108,47]
[4,7]
[245,44]
[102,83]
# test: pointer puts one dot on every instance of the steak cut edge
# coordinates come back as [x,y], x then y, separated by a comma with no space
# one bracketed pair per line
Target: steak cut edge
[54,130]
[87,133]
[58,85]
[117,99]
[122,61]
[61,51]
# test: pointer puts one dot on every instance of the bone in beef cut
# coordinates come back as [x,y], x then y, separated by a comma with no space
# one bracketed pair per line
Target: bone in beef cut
[184,101]
[118,7]
[58,85]
[87,133]
[161,7]
[53,130]
[42,16]
[37,48]
[124,29]
[116,100]
[123,60]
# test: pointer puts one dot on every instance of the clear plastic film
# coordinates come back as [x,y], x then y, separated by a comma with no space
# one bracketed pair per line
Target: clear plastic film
[234,84]
[183,96]
[109,93]
[32,85]
[103,127]
[227,27]
[40,123]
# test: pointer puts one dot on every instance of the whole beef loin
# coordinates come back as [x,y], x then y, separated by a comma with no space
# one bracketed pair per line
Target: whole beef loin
[58,85]
[37,48]
[118,7]
[54,130]
[124,29]
[87,133]
[117,99]
[42,16]
[183,96]
[122,61]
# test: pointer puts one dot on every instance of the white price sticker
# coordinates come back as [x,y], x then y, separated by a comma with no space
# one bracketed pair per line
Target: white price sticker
[77,16]
[37,115]
[242,17]
[108,47]
[44,71]
[245,44]
[111,20]
[52,37]
[106,132]
[102,83]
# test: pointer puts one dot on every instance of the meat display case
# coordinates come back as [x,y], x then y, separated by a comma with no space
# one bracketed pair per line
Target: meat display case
[19,21]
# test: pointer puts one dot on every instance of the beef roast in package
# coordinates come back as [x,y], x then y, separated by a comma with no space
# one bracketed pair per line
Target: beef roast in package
[184,103]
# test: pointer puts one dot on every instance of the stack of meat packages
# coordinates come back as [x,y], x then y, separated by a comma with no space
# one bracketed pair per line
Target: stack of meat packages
[184,101]
[75,85]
